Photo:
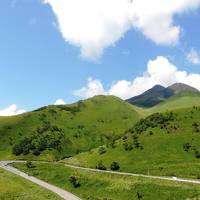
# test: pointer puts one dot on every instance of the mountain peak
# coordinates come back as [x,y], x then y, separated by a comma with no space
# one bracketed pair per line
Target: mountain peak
[181,87]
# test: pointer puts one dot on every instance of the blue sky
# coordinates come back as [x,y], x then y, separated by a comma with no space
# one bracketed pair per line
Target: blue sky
[38,66]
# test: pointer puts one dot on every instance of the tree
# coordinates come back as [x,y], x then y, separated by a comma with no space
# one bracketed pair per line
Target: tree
[114,166]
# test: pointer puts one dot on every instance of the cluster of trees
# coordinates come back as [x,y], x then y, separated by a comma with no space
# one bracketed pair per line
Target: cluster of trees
[45,137]
[130,145]
[161,120]
[113,166]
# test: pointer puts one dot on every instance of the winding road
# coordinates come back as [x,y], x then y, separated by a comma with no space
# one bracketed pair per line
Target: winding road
[62,193]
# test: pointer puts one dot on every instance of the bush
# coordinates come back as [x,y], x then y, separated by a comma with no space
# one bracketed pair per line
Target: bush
[186,146]
[74,181]
[197,154]
[102,150]
[114,166]
[128,146]
[29,164]
[100,165]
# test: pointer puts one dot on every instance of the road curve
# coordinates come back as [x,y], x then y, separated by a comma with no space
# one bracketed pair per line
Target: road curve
[176,179]
[62,193]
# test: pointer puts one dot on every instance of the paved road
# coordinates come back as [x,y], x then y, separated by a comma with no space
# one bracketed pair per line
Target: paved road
[62,193]
[176,179]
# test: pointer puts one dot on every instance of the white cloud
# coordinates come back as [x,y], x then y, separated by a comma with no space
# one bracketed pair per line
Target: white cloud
[94,87]
[159,71]
[59,102]
[11,110]
[94,25]
[193,57]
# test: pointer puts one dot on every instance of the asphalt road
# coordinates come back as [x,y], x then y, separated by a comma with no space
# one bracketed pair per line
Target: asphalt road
[62,193]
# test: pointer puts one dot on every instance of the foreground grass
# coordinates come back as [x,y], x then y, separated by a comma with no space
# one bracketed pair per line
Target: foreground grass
[13,187]
[98,186]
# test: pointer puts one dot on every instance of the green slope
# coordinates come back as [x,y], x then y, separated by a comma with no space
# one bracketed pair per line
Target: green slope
[13,187]
[162,144]
[181,100]
[55,132]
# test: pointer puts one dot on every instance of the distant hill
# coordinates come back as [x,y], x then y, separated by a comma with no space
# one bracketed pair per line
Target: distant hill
[180,87]
[54,132]
[159,94]
[178,101]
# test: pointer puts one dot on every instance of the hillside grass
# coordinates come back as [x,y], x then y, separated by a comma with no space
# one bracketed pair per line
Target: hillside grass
[13,187]
[99,186]
[72,128]
[160,152]
[179,101]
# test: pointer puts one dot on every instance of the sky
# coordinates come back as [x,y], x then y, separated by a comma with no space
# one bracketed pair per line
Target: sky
[56,52]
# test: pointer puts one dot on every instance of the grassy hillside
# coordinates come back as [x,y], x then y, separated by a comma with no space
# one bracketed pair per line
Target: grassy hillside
[13,187]
[161,144]
[182,100]
[98,186]
[55,132]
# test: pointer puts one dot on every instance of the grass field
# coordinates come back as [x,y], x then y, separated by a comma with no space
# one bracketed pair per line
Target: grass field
[13,187]
[160,152]
[96,186]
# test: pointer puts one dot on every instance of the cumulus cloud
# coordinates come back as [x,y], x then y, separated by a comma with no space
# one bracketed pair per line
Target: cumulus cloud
[193,57]
[94,25]
[11,110]
[59,102]
[94,87]
[159,71]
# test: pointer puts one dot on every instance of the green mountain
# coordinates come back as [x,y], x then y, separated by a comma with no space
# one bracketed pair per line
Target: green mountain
[55,132]
[159,94]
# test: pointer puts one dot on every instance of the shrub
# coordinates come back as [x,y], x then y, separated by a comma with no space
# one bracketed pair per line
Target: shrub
[29,164]
[186,146]
[114,166]
[74,181]
[128,146]
[102,150]
[100,165]
[197,154]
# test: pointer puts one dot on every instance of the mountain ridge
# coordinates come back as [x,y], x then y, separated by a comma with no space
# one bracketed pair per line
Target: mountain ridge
[158,94]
